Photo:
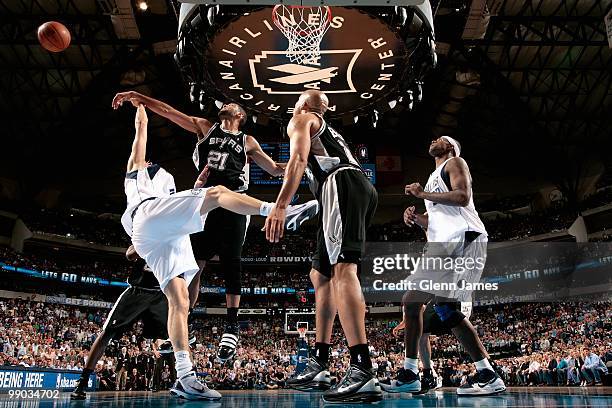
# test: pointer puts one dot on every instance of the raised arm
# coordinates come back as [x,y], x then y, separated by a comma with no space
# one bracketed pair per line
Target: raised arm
[199,126]
[299,136]
[299,148]
[139,146]
[254,151]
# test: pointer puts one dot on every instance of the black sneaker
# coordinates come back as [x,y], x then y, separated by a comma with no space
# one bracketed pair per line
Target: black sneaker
[428,382]
[78,394]
[485,382]
[406,381]
[166,346]
[358,385]
[315,377]
[228,343]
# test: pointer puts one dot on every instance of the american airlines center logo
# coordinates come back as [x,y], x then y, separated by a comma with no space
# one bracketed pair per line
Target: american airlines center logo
[361,61]
[272,74]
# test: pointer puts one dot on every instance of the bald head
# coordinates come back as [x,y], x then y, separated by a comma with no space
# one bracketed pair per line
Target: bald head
[312,101]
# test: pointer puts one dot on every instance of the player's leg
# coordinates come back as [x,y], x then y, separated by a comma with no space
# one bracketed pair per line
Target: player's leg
[316,375]
[232,235]
[95,353]
[487,381]
[187,385]
[220,196]
[178,307]
[349,201]
[407,377]
[123,314]
[325,313]
[429,379]
[431,325]
[194,286]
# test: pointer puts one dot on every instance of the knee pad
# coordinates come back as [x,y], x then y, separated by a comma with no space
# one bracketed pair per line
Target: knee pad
[448,314]
[233,271]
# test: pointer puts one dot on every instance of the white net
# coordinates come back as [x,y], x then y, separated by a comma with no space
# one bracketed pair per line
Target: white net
[304,28]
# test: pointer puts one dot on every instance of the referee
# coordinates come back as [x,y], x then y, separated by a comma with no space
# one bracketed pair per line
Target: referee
[144,300]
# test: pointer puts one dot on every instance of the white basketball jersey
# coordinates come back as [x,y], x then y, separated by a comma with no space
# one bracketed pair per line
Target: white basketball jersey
[446,222]
[149,182]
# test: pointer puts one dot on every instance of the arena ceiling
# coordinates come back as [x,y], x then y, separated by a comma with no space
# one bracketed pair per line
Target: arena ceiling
[524,84]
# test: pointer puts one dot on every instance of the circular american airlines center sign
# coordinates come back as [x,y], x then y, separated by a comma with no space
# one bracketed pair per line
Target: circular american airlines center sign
[361,61]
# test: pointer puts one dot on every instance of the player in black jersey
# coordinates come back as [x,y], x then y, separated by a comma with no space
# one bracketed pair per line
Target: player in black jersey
[348,201]
[144,300]
[225,151]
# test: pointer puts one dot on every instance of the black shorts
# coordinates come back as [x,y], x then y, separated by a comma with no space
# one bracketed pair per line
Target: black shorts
[223,235]
[348,202]
[133,304]
[432,323]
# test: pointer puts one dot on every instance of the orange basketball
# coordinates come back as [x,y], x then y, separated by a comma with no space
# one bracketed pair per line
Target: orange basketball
[54,36]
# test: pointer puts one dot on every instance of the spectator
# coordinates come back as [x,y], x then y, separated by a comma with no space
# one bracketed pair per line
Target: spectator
[593,368]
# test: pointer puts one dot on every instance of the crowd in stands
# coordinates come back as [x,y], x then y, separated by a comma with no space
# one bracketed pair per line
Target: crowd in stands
[103,229]
[103,268]
[106,229]
[531,344]
[504,203]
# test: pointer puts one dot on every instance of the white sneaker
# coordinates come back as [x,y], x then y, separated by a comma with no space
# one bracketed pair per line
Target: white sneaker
[298,214]
[191,388]
[486,382]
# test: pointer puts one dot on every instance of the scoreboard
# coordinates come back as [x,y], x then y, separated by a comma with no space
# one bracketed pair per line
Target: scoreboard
[279,152]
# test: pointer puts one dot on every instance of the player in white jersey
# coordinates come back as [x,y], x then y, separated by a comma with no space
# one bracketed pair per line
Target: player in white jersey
[159,222]
[456,233]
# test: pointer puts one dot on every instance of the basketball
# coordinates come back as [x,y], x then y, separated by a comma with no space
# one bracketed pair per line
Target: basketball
[54,36]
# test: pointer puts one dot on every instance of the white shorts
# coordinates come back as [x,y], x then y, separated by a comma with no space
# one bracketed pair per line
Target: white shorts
[450,269]
[160,234]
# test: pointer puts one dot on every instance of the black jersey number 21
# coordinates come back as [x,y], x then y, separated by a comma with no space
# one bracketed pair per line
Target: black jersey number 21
[216,160]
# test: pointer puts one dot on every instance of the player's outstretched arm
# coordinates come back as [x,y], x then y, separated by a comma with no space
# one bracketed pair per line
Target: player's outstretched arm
[255,152]
[139,146]
[299,136]
[199,126]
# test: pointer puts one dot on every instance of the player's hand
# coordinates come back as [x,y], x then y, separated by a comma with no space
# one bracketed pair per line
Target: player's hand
[131,96]
[280,169]
[409,216]
[275,224]
[414,189]
[202,177]
[131,254]
[397,330]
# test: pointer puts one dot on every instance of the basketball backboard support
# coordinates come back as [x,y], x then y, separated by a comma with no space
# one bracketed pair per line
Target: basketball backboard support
[346,3]
[362,57]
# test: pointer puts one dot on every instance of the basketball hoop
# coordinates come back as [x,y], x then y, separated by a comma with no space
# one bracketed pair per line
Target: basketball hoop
[304,28]
[302,332]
